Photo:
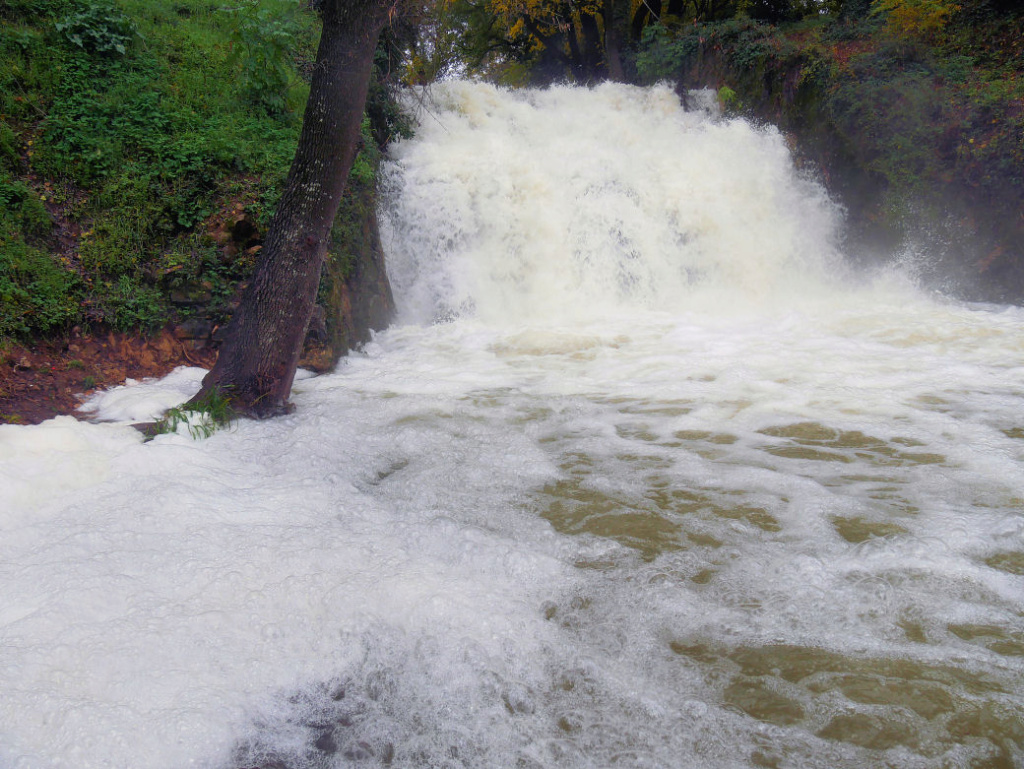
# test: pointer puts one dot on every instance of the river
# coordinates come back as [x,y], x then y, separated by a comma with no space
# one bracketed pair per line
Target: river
[642,476]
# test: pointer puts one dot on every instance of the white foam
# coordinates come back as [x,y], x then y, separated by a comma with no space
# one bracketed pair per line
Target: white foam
[425,563]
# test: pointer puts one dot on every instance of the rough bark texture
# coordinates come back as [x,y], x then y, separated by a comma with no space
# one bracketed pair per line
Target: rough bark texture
[257,361]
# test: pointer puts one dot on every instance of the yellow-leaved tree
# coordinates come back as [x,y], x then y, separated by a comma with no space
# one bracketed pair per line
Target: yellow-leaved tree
[921,19]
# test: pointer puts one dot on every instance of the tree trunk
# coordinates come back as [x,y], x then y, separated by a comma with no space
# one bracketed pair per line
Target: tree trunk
[257,361]
[612,54]
[593,46]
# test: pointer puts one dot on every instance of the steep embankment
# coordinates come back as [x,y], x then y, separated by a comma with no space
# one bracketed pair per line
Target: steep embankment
[919,133]
[143,147]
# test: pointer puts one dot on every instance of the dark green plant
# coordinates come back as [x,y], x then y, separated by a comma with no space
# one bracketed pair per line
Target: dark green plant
[31,9]
[23,207]
[98,27]
[263,41]
[201,419]
[127,304]
[662,54]
[37,296]
[8,146]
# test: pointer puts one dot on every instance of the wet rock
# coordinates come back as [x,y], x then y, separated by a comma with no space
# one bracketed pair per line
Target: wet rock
[194,328]
[316,332]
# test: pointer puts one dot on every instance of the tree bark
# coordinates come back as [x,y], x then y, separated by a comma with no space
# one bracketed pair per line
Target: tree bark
[257,361]
[612,53]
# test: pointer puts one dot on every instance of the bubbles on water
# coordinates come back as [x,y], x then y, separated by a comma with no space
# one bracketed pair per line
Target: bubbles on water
[690,506]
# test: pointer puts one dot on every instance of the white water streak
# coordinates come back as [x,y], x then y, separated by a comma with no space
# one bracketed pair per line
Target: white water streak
[645,322]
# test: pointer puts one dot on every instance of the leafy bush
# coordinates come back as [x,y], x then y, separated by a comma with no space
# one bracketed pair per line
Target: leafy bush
[36,295]
[129,305]
[746,44]
[150,116]
[23,207]
[98,28]
[924,19]
[663,55]
[263,40]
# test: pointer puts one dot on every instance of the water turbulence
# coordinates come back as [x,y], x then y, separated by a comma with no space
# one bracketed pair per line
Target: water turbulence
[642,478]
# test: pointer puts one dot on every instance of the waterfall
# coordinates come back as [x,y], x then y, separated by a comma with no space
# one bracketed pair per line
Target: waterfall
[643,476]
[570,202]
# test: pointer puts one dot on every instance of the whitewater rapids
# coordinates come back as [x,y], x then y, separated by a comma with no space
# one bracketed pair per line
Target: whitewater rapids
[642,476]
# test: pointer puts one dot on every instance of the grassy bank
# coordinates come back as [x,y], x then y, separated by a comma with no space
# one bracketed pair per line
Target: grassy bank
[143,144]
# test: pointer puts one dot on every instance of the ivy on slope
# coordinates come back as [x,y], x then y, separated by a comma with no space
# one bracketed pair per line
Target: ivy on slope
[130,130]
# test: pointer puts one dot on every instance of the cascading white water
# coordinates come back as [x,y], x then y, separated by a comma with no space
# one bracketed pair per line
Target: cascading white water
[571,203]
[640,479]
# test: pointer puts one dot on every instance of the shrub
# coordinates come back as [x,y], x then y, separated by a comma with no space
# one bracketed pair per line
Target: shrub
[916,19]
[98,28]
[36,295]
[262,44]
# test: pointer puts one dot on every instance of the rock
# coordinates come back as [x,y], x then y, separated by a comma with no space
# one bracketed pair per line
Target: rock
[316,331]
[243,230]
[194,328]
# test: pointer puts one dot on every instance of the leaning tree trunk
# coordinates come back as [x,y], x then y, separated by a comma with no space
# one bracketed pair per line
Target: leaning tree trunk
[260,353]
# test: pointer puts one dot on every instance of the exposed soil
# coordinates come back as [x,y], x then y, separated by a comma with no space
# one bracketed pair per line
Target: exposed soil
[54,377]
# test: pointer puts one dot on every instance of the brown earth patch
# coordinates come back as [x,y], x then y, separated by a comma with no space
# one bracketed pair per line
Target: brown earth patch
[54,377]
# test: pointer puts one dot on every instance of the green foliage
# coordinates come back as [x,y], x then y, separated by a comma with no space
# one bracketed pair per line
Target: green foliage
[97,27]
[747,45]
[388,121]
[728,99]
[917,19]
[8,146]
[201,419]
[22,206]
[196,267]
[127,304]
[923,115]
[263,40]
[148,118]
[36,294]
[29,10]
[27,71]
[662,54]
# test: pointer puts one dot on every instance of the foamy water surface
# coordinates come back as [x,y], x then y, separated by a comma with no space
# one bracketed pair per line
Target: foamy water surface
[640,478]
